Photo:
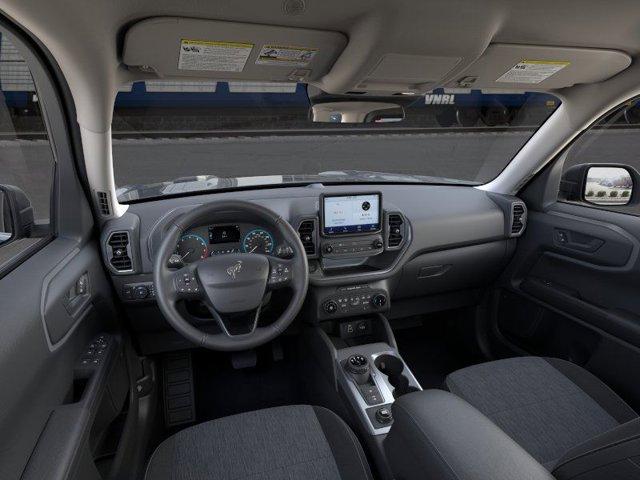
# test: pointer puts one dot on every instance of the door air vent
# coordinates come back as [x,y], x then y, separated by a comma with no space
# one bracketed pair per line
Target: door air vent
[306,230]
[119,252]
[395,224]
[103,203]
[518,219]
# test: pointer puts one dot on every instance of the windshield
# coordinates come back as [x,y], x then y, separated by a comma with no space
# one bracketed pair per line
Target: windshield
[177,137]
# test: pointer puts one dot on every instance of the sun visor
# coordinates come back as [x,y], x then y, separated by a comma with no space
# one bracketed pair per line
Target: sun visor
[182,47]
[529,67]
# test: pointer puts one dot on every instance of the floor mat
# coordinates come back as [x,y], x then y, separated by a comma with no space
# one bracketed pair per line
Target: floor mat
[221,390]
[433,351]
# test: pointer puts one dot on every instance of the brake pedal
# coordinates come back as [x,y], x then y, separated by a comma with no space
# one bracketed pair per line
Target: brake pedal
[245,359]
[179,400]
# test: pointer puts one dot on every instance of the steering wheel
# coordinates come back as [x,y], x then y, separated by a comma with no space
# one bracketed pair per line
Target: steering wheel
[231,286]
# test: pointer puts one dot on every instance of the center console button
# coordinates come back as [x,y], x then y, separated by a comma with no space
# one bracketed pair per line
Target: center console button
[331,307]
[383,415]
[379,300]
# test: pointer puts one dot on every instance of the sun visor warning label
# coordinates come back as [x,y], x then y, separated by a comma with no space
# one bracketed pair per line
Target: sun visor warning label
[213,56]
[285,56]
[532,71]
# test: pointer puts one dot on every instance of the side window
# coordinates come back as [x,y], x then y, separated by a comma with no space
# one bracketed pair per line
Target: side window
[601,168]
[27,166]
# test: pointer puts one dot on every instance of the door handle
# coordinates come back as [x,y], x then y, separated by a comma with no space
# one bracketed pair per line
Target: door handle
[576,240]
[78,295]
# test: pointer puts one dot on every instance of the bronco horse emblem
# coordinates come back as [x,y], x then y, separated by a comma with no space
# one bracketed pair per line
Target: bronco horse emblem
[234,269]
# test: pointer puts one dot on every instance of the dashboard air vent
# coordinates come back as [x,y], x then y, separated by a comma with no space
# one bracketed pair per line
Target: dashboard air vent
[103,203]
[396,230]
[118,251]
[307,236]
[518,222]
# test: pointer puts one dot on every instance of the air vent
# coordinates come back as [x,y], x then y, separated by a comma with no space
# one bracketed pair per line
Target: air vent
[306,230]
[518,222]
[103,203]
[395,224]
[118,252]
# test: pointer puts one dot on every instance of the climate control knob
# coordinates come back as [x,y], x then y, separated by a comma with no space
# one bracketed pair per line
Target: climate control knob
[331,307]
[328,248]
[379,300]
[377,244]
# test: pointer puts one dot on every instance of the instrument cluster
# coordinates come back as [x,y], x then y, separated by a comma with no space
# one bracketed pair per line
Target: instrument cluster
[210,240]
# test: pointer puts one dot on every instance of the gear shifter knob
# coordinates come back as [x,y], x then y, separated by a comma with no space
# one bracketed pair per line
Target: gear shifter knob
[358,366]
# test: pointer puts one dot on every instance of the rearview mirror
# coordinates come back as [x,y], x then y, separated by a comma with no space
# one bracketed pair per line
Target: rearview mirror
[16,214]
[356,112]
[608,186]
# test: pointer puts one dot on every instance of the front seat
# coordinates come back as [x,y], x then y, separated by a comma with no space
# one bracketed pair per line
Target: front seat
[562,415]
[294,442]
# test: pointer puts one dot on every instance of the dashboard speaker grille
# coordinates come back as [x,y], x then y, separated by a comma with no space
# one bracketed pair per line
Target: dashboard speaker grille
[306,230]
[103,203]
[396,230]
[518,220]
[118,250]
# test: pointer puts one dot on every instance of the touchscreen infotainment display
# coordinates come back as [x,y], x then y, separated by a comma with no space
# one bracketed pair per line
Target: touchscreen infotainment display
[351,214]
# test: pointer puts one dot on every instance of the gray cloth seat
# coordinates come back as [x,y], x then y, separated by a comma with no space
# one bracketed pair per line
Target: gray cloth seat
[548,406]
[294,442]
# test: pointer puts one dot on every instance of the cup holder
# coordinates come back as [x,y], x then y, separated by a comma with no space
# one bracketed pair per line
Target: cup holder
[393,367]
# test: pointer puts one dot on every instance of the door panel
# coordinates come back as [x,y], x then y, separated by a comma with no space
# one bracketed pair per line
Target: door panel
[40,374]
[59,393]
[572,292]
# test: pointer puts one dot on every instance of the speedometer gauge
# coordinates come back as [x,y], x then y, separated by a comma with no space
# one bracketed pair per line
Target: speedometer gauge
[192,247]
[258,241]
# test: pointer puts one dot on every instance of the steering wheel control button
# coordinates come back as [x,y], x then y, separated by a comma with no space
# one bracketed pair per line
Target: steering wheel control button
[280,274]
[187,284]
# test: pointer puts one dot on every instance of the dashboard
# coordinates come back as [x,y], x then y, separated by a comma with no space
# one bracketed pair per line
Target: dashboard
[394,249]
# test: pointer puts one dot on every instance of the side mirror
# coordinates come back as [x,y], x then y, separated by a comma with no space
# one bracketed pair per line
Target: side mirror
[356,112]
[605,185]
[16,214]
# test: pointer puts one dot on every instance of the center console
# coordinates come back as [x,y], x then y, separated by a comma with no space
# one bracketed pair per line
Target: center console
[366,374]
[372,377]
